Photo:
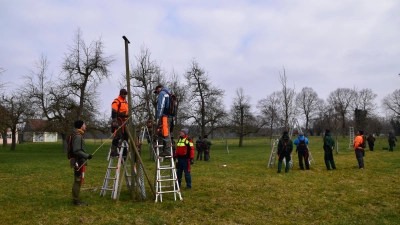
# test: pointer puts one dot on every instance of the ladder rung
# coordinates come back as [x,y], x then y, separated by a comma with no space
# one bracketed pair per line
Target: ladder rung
[161,192]
[108,189]
[166,168]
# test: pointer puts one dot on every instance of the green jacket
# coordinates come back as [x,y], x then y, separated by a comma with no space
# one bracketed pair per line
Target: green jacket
[207,144]
[285,147]
[78,146]
[329,143]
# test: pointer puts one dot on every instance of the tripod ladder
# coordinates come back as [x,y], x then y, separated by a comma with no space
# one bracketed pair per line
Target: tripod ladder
[166,179]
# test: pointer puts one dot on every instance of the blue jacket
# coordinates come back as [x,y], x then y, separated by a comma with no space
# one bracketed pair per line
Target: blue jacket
[297,141]
[162,103]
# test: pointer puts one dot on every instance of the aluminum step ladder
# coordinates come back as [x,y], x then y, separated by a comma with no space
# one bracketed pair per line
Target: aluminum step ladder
[274,152]
[166,180]
[351,134]
[116,165]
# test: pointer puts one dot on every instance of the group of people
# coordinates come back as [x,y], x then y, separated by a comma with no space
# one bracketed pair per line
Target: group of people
[184,152]
[184,149]
[203,146]
[285,148]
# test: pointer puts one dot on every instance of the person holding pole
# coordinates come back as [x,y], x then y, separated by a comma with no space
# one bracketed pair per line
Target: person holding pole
[81,157]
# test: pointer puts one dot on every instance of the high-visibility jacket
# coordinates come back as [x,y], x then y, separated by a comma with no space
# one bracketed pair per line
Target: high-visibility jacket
[358,141]
[184,148]
[119,108]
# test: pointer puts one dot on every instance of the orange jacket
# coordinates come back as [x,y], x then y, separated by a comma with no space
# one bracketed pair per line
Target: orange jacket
[119,108]
[358,142]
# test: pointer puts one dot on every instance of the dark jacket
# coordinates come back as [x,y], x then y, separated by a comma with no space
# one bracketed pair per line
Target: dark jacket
[285,145]
[329,143]
[78,146]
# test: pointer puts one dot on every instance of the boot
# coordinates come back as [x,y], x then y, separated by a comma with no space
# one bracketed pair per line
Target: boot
[114,151]
[287,167]
[279,166]
[333,164]
[328,167]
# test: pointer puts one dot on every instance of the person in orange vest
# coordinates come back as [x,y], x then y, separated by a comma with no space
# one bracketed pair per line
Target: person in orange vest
[119,114]
[359,146]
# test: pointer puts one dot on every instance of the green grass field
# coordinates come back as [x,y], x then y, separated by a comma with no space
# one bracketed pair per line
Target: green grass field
[36,188]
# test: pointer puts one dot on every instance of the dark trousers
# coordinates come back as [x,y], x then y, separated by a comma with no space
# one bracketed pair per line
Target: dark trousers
[391,145]
[287,156]
[360,158]
[184,166]
[328,156]
[200,154]
[206,155]
[301,156]
[76,186]
[371,146]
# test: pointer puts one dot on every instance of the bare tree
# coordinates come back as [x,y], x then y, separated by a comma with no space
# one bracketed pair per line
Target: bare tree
[391,103]
[1,73]
[269,110]
[242,120]
[86,67]
[49,99]
[308,103]
[365,100]
[200,96]
[341,100]
[17,107]
[145,76]
[287,104]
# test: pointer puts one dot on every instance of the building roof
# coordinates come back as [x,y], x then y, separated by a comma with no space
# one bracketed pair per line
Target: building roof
[38,125]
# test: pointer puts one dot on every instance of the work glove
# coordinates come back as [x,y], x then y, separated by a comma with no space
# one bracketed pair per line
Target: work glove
[115,123]
[191,161]
[90,156]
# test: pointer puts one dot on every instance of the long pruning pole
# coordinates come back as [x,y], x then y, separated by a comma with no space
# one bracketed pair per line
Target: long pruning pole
[104,143]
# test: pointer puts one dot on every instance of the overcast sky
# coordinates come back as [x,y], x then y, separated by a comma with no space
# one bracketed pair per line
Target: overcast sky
[322,44]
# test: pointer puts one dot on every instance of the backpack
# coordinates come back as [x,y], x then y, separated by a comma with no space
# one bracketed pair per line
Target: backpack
[70,150]
[363,144]
[302,145]
[173,104]
[199,144]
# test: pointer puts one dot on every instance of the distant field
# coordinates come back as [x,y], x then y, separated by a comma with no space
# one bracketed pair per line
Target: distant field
[36,188]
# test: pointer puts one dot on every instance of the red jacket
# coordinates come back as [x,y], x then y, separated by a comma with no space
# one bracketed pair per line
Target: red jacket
[184,148]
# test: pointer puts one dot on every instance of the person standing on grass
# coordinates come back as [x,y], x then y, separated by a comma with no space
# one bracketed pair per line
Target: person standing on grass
[81,157]
[359,146]
[185,155]
[206,147]
[302,150]
[371,142]
[392,141]
[285,147]
[199,148]
[328,146]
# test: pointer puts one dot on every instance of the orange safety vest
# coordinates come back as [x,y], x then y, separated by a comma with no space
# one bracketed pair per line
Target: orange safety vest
[120,107]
